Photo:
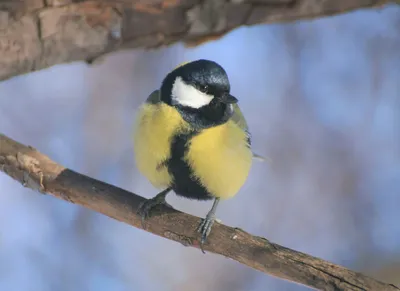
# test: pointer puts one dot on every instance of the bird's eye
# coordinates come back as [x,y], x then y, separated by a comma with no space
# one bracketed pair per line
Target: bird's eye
[203,88]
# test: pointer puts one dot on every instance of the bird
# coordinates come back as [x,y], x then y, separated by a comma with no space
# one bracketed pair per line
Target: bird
[192,138]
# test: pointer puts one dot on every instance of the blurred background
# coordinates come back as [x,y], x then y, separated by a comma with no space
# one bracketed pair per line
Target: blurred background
[322,99]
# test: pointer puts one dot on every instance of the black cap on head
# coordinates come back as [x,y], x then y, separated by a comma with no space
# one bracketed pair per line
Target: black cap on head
[205,75]
[200,90]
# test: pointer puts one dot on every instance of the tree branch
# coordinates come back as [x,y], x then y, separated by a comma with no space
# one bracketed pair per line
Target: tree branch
[36,171]
[36,34]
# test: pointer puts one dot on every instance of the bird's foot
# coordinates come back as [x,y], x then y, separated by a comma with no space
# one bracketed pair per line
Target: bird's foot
[147,206]
[205,228]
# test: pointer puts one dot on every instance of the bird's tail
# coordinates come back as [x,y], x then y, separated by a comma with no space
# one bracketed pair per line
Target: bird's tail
[260,158]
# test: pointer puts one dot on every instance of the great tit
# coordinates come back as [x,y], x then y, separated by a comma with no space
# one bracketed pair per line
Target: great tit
[192,138]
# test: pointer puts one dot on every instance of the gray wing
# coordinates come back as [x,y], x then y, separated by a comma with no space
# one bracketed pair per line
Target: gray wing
[239,119]
[154,97]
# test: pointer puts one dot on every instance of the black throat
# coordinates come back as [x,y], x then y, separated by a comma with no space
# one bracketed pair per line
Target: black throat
[207,116]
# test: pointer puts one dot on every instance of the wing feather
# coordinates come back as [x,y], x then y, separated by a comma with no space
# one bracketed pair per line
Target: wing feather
[239,119]
[154,97]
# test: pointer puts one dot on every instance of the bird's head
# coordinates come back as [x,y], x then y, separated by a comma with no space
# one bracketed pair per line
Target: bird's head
[200,88]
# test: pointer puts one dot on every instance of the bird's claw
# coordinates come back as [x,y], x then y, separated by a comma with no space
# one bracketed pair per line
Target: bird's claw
[144,211]
[147,206]
[205,228]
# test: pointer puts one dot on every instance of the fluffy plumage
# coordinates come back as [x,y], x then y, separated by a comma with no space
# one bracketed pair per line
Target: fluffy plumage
[192,138]
[198,164]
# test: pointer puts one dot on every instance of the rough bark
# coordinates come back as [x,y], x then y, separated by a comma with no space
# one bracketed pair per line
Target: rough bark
[36,34]
[36,171]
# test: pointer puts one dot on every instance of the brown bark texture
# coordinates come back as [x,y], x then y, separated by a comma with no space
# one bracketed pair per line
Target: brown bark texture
[38,172]
[36,34]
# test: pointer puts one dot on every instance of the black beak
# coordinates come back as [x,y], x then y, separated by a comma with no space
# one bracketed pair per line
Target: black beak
[229,99]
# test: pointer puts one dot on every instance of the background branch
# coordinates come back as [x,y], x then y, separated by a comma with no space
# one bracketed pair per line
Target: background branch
[36,34]
[36,171]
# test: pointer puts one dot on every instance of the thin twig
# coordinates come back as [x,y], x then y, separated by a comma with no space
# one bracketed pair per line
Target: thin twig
[36,171]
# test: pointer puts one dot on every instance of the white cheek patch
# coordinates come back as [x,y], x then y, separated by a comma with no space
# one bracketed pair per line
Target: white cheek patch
[187,95]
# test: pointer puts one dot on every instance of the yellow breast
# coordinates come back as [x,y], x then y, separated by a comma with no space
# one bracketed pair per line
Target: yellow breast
[220,159]
[155,127]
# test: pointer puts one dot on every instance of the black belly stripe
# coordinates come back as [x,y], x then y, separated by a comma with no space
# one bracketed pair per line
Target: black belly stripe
[184,182]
